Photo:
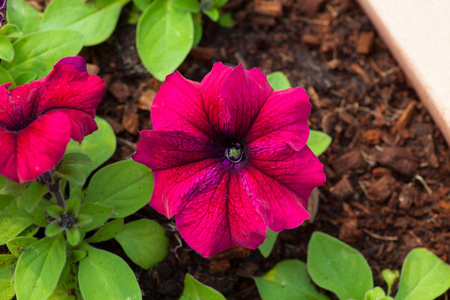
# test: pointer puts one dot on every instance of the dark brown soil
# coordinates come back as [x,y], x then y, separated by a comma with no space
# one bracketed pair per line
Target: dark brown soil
[387,188]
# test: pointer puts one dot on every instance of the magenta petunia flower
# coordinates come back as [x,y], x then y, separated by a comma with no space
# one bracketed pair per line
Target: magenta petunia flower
[229,157]
[38,119]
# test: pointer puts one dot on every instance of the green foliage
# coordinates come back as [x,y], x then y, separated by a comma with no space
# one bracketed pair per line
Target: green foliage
[390,277]
[269,242]
[318,142]
[339,268]
[103,275]
[19,244]
[424,276]
[40,266]
[347,274]
[287,280]
[99,213]
[95,20]
[6,49]
[164,37]
[145,242]
[99,146]
[125,185]
[12,222]
[38,52]
[107,231]
[195,290]
[278,81]
[5,76]
[24,16]
[33,195]
[7,266]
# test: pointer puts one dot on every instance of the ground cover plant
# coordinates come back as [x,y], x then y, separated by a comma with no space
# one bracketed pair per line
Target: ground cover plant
[183,272]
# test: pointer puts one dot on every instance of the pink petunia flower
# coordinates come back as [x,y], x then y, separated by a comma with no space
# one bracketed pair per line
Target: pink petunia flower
[38,119]
[229,157]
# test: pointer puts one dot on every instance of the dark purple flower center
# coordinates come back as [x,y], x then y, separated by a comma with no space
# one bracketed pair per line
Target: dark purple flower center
[234,151]
[67,221]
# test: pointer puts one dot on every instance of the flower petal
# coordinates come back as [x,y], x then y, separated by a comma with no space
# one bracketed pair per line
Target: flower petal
[283,119]
[174,187]
[216,109]
[163,150]
[76,61]
[19,106]
[221,216]
[8,164]
[244,93]
[77,94]
[178,106]
[35,149]
[300,171]
[281,182]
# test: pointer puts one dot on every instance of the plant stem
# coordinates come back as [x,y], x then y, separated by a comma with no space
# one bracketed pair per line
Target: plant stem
[55,189]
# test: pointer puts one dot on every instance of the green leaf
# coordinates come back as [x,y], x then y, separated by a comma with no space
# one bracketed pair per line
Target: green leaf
[278,81]
[99,146]
[7,266]
[38,268]
[5,77]
[11,31]
[145,242]
[287,280]
[5,200]
[107,231]
[38,52]
[26,17]
[19,244]
[72,174]
[318,142]
[8,187]
[73,207]
[103,275]
[61,293]
[73,235]
[198,29]
[77,255]
[424,276]
[24,77]
[53,228]
[55,211]
[269,242]
[6,49]
[33,195]
[124,185]
[12,222]
[376,294]
[187,5]
[98,212]
[96,20]
[76,158]
[39,214]
[337,267]
[226,20]
[390,277]
[142,4]
[82,220]
[212,13]
[195,290]
[164,38]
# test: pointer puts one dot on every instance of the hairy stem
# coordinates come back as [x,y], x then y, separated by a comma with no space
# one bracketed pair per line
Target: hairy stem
[55,189]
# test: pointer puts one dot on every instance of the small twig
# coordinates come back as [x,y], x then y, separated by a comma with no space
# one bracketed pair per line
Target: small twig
[127,142]
[380,237]
[425,185]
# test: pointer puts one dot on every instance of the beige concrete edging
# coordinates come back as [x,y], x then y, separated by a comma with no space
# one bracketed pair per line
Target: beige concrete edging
[418,34]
